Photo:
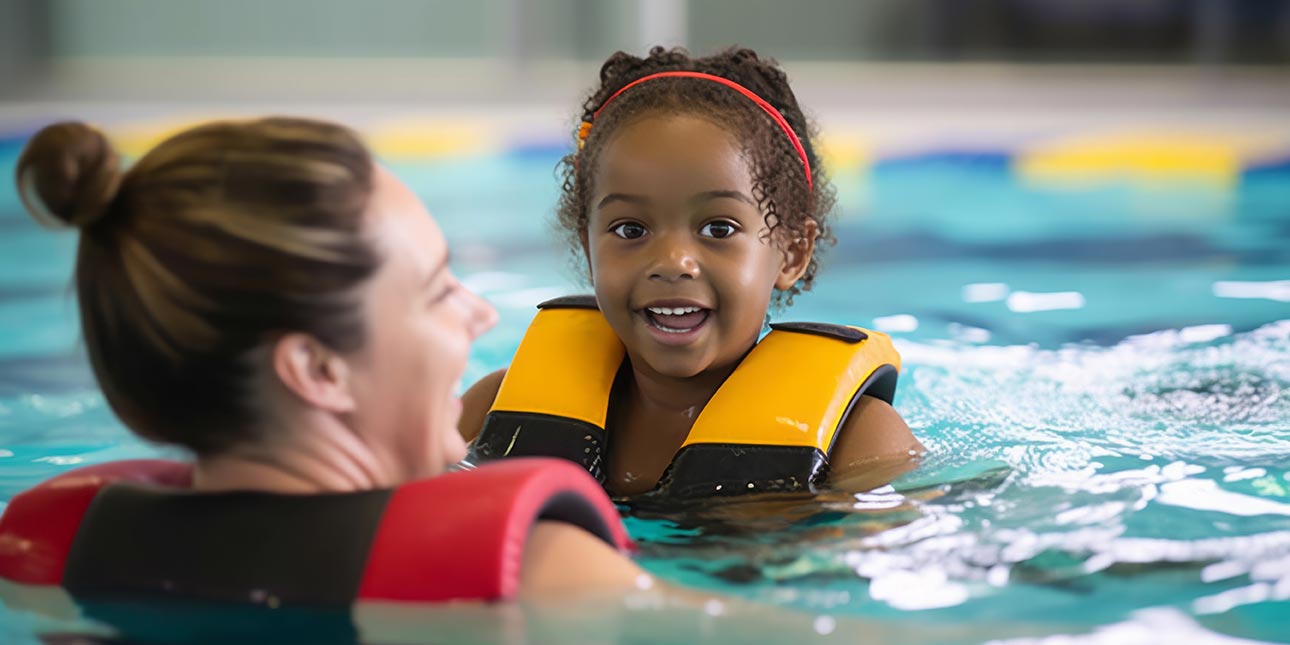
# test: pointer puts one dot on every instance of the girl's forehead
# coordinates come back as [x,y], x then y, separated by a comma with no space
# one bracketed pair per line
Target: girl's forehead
[673,124]
[677,148]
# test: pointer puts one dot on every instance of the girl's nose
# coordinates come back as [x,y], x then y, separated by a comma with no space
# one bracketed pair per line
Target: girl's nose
[674,262]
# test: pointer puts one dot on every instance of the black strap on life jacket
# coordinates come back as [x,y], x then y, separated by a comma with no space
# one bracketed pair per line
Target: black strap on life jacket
[517,434]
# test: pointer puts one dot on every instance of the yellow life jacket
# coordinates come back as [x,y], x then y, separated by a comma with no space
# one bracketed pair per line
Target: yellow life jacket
[769,427]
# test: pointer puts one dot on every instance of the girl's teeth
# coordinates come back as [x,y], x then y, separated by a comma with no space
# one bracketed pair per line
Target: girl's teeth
[670,330]
[676,320]
[673,311]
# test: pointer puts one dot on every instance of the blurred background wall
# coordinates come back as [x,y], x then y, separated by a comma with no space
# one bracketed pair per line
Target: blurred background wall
[895,73]
[51,48]
[1155,31]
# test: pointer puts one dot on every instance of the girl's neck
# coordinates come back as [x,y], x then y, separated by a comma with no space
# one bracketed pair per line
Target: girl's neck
[318,455]
[681,395]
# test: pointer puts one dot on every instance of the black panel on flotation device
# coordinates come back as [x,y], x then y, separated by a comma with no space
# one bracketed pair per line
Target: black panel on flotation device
[294,549]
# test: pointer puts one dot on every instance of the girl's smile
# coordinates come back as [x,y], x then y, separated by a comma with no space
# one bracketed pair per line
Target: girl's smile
[676,322]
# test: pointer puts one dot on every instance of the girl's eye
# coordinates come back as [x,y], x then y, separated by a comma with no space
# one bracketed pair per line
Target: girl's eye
[628,230]
[719,230]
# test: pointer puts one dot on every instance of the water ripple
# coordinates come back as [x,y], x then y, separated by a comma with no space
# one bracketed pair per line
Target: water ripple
[1155,471]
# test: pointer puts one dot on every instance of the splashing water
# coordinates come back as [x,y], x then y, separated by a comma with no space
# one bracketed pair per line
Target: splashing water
[1151,473]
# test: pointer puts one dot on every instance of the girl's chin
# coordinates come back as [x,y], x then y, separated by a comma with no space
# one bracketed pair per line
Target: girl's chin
[676,369]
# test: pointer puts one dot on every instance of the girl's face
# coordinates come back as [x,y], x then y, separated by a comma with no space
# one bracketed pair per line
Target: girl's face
[680,255]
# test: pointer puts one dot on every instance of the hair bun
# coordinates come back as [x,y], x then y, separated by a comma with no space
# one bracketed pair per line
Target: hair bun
[68,175]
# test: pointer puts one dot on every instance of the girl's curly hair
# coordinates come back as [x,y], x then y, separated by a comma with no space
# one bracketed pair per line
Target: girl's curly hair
[779,179]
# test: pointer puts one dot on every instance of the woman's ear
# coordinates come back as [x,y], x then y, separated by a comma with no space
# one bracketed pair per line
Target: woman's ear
[797,256]
[313,372]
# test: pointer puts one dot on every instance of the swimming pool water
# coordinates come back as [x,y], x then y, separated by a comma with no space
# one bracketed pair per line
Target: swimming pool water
[1099,373]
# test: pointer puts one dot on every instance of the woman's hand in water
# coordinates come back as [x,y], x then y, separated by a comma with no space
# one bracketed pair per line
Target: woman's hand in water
[873,447]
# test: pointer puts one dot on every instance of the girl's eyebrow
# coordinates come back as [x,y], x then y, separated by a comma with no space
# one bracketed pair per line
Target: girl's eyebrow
[722,194]
[701,197]
[622,197]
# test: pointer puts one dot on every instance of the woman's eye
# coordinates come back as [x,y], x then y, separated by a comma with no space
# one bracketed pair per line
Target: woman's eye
[442,294]
[718,230]
[447,290]
[628,230]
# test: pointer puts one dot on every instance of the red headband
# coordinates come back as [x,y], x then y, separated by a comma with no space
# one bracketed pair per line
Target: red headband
[585,129]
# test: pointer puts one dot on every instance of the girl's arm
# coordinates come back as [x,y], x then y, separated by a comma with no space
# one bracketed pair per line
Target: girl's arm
[874,446]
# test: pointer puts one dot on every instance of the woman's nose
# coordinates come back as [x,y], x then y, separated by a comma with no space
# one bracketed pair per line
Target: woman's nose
[483,316]
[674,261]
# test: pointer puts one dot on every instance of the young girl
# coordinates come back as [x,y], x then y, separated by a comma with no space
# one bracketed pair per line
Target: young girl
[697,200]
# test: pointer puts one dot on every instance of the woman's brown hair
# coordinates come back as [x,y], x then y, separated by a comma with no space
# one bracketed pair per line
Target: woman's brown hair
[215,243]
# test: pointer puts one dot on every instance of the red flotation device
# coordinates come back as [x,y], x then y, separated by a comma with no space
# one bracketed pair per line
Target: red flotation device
[459,536]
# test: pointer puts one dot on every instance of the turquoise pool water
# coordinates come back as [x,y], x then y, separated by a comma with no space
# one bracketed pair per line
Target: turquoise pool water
[1100,375]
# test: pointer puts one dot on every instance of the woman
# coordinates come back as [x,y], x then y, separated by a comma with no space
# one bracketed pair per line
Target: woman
[263,294]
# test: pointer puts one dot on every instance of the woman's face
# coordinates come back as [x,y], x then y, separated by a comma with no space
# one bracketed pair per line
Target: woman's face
[420,324]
